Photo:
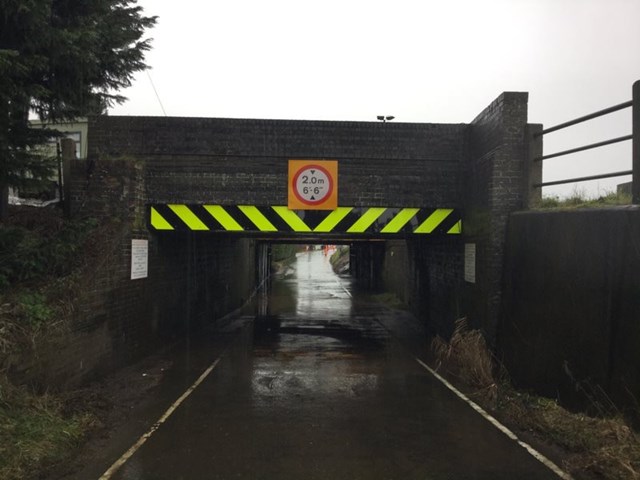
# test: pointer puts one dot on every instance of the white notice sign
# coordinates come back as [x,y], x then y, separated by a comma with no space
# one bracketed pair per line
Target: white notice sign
[470,262]
[139,259]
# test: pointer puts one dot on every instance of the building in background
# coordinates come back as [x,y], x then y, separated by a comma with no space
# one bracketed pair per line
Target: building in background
[76,131]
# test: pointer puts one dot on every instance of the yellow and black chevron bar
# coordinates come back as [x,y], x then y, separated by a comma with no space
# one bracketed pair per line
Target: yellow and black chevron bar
[279,219]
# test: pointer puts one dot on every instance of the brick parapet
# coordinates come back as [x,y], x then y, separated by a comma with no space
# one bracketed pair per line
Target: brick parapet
[495,182]
[230,161]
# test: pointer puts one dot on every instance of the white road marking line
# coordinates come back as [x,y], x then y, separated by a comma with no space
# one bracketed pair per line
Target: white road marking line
[342,286]
[537,455]
[129,453]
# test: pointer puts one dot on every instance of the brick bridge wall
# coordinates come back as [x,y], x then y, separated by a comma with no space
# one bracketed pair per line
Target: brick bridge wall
[192,281]
[495,176]
[234,162]
[134,161]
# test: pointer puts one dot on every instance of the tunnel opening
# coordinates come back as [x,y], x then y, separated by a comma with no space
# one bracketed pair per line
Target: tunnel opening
[361,259]
[311,301]
[209,278]
[281,270]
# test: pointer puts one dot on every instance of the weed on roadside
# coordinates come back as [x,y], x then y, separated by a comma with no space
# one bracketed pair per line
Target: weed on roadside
[595,447]
[467,357]
[579,199]
[34,431]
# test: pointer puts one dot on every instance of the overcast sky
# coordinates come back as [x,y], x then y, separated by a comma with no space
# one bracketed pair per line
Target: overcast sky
[422,61]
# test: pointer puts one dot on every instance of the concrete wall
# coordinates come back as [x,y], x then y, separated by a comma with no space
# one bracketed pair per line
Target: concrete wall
[570,324]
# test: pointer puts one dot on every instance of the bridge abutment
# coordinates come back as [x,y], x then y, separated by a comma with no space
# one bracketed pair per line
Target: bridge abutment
[496,183]
[191,280]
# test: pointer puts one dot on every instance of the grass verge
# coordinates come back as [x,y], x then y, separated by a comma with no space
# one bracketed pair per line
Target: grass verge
[43,261]
[579,199]
[593,448]
[340,260]
[35,431]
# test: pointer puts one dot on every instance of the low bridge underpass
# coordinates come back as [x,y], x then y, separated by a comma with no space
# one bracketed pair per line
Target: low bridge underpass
[328,385]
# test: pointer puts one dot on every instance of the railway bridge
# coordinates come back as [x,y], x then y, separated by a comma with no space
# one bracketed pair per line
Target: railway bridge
[192,208]
[420,205]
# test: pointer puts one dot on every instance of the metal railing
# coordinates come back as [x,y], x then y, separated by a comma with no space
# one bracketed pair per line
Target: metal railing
[635,137]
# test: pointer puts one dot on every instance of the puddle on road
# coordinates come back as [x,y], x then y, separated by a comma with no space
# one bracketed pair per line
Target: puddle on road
[308,290]
[308,312]
[307,340]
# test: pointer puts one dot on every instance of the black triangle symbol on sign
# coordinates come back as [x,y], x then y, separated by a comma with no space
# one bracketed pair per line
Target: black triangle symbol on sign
[313,172]
[312,197]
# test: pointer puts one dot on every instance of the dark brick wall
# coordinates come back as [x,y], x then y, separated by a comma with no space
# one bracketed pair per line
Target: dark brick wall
[495,185]
[245,161]
[496,176]
[426,275]
[192,280]
[397,271]
[569,328]
[442,264]
[134,161]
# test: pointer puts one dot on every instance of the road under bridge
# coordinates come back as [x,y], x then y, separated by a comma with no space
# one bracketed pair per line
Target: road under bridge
[326,385]
[321,383]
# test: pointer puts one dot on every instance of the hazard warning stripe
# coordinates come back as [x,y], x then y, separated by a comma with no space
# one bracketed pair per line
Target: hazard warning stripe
[257,217]
[158,222]
[456,229]
[400,220]
[380,221]
[293,220]
[334,218]
[226,220]
[433,221]
[188,217]
[365,221]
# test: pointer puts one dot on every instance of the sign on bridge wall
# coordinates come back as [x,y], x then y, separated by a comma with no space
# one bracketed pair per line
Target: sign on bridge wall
[139,259]
[470,262]
[376,221]
[313,185]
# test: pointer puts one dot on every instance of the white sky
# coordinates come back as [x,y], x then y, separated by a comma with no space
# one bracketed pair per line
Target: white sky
[431,61]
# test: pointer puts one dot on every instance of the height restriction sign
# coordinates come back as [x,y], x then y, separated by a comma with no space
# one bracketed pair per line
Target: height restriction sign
[313,184]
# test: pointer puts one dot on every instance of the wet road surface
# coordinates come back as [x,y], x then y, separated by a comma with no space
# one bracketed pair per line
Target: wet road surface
[318,389]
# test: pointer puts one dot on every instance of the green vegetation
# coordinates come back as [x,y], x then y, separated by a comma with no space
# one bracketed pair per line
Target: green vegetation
[284,252]
[595,447]
[34,309]
[340,259]
[28,254]
[35,432]
[60,61]
[578,199]
[41,260]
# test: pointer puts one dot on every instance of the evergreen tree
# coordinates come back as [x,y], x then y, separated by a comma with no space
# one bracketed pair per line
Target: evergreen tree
[61,59]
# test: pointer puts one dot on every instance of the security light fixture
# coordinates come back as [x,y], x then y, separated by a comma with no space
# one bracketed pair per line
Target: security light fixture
[385,119]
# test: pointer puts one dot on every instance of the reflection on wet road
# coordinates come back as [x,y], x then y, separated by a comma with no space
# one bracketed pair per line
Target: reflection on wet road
[319,389]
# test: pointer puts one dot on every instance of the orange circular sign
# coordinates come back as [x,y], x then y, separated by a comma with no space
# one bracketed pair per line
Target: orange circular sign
[313,185]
